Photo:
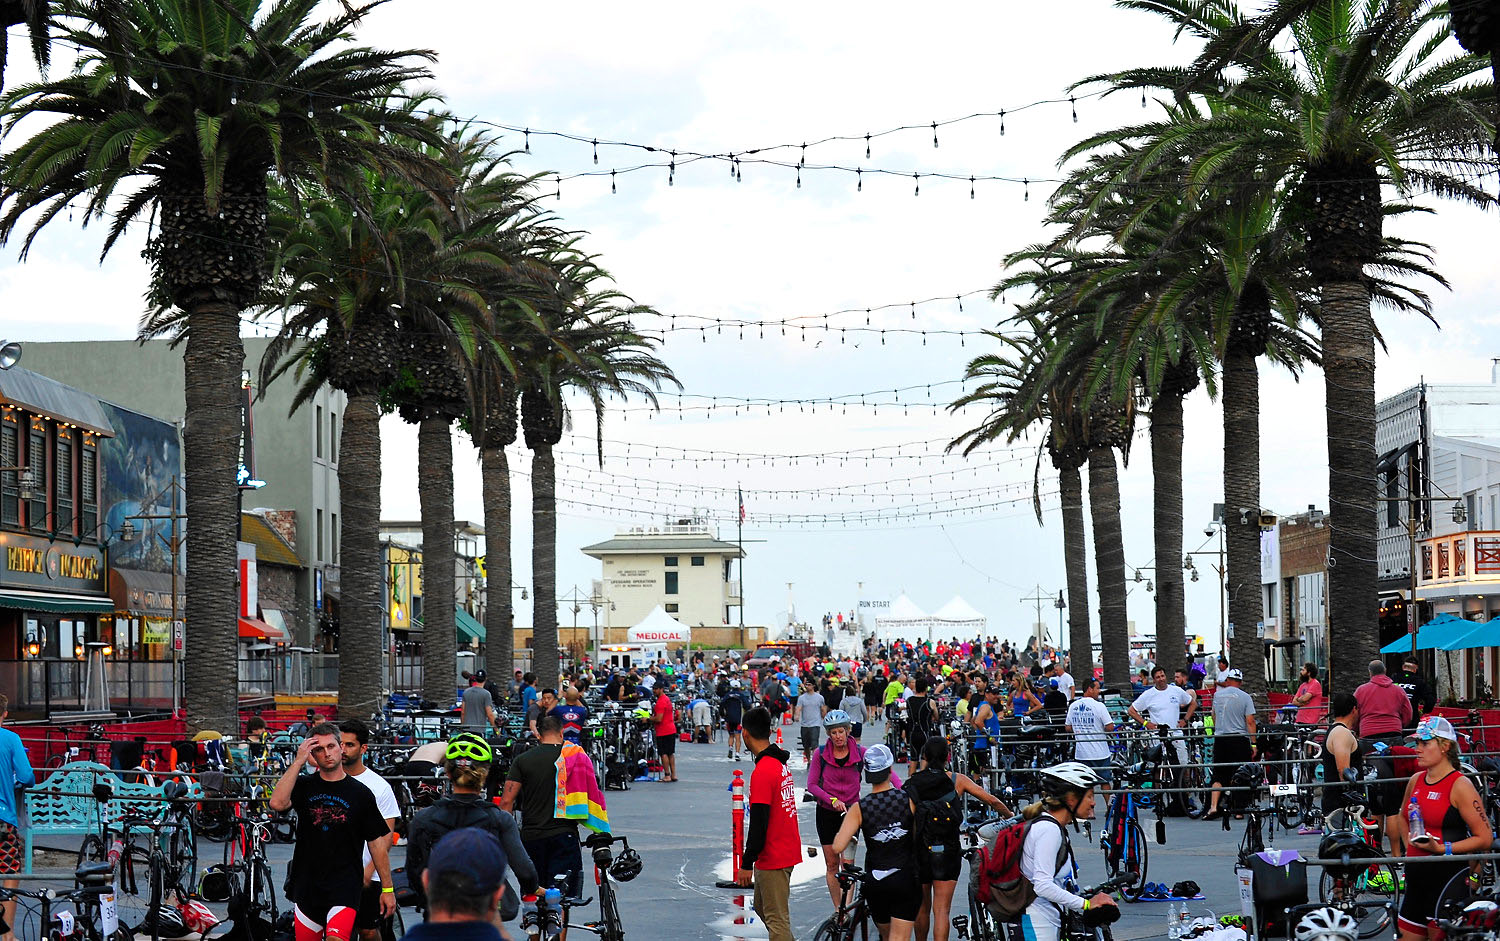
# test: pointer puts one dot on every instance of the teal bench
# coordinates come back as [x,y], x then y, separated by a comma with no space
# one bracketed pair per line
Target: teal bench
[61,805]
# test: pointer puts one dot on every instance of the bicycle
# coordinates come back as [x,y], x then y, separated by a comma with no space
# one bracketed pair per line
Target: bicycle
[1076,928]
[609,869]
[1122,839]
[851,921]
[96,918]
[76,748]
[244,879]
[168,862]
[979,924]
[1370,894]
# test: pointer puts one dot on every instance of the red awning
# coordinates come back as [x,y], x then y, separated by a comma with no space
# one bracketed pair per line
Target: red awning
[257,629]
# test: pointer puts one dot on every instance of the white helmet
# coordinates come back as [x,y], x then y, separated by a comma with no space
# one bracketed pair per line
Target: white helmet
[734,684]
[1326,924]
[1070,776]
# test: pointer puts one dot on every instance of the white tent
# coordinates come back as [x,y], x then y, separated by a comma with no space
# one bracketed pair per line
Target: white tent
[958,619]
[659,627]
[904,621]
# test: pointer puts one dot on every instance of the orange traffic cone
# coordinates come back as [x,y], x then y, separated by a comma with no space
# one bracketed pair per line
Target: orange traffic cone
[778,735]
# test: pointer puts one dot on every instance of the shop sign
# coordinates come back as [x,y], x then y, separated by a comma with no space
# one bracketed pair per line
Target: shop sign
[31,562]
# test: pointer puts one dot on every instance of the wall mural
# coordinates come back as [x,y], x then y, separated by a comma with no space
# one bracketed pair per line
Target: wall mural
[138,465]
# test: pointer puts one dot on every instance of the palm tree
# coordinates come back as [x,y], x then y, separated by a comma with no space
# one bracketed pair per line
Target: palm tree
[341,265]
[32,13]
[593,351]
[193,105]
[1476,24]
[1320,123]
[496,424]
[1003,385]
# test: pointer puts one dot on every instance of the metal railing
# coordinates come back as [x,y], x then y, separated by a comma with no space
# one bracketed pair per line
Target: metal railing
[61,685]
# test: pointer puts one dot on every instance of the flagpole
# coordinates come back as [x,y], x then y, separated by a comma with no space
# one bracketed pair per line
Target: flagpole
[740,538]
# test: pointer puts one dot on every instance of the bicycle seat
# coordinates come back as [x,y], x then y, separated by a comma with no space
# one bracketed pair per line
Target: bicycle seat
[174,790]
[596,840]
[94,874]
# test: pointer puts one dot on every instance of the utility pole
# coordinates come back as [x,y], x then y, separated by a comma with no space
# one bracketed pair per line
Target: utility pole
[1041,625]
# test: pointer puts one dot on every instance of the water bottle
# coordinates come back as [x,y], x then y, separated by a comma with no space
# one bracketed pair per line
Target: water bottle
[1416,827]
[1185,924]
[553,898]
[1174,924]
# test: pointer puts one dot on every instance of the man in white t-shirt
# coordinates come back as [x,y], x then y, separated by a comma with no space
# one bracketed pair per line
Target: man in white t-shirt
[1064,679]
[1089,722]
[1162,707]
[356,739]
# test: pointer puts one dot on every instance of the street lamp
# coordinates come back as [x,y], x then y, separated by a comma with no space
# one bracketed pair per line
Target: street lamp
[10,353]
[1215,526]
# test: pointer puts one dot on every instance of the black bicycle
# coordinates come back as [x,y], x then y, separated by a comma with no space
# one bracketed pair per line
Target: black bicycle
[608,870]
[149,873]
[1077,925]
[851,921]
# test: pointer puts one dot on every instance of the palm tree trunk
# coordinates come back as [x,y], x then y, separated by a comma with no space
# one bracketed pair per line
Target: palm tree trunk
[439,642]
[1166,523]
[4,51]
[1349,381]
[211,368]
[499,616]
[362,641]
[544,566]
[1075,561]
[1241,390]
[1109,564]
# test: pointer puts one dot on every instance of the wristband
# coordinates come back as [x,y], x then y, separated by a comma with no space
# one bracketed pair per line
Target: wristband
[390,889]
[1447,848]
[1086,904]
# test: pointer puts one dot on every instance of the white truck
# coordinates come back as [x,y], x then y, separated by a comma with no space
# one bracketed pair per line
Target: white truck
[627,656]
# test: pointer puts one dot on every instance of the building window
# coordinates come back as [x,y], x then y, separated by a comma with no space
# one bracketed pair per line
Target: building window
[697,560]
[1442,560]
[671,583]
[726,570]
[333,537]
[10,481]
[62,487]
[333,437]
[88,497]
[1474,504]
[671,561]
[318,432]
[671,607]
[1426,561]
[1458,558]
[318,545]
[36,462]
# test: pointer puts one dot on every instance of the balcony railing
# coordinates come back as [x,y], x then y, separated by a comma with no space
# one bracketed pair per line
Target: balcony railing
[1459,558]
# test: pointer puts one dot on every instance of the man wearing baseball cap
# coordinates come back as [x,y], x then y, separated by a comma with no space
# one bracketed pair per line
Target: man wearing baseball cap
[464,879]
[1234,733]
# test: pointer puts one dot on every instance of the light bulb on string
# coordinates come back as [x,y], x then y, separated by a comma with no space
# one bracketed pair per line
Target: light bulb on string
[971,187]
[612,181]
[1002,122]
[1026,190]
[1074,102]
[859,180]
[596,151]
[917,190]
[526,134]
[867,143]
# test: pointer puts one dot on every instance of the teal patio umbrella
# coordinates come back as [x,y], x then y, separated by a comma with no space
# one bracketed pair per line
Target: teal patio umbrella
[1432,635]
[1486,634]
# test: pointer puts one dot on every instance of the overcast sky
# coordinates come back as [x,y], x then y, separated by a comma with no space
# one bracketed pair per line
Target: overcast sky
[715,79]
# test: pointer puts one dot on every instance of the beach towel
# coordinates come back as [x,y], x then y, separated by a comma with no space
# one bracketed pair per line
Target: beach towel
[577,794]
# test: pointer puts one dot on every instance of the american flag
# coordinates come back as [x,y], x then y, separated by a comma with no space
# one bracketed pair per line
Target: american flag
[742,504]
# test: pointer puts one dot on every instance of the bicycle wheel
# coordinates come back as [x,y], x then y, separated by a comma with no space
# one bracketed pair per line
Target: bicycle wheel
[1371,898]
[1130,857]
[610,926]
[1459,891]
[982,925]
[132,879]
[182,857]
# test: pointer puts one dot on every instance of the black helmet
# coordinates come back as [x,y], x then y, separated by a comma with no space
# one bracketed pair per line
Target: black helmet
[1245,784]
[1342,843]
[1156,754]
[166,921]
[626,867]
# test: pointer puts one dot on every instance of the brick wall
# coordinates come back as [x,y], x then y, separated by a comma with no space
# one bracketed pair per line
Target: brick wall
[284,523]
[277,588]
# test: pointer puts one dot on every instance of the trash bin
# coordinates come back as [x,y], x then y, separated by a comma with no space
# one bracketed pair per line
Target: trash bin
[1279,882]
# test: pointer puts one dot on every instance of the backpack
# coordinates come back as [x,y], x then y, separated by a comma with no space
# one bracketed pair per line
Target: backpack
[937,819]
[1002,887]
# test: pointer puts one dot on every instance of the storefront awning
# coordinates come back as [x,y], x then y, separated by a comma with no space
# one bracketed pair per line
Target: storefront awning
[49,603]
[1432,635]
[259,630]
[146,593]
[466,624]
[466,627]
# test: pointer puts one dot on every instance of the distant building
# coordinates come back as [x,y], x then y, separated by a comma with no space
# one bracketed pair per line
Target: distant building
[683,567]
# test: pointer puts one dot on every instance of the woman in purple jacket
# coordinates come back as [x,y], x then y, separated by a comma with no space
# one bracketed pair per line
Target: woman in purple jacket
[833,779]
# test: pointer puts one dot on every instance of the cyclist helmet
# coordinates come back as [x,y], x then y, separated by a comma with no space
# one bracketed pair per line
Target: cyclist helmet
[626,866]
[164,921]
[837,719]
[217,884]
[466,746]
[1245,784]
[1070,776]
[1326,924]
[1156,754]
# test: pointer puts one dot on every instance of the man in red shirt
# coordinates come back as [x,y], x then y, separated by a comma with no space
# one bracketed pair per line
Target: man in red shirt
[774,844]
[1309,698]
[665,721]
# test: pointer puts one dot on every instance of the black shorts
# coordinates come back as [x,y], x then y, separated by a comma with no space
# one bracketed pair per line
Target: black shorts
[554,856]
[942,866]
[895,896]
[666,745]
[732,726]
[1424,884]
[1230,751]
[828,822]
[855,729]
[368,916]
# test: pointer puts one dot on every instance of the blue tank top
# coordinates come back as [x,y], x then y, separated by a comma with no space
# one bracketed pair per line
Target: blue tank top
[991,728]
[1018,705]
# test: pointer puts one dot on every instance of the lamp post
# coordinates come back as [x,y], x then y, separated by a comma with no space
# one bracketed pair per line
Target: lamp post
[1216,525]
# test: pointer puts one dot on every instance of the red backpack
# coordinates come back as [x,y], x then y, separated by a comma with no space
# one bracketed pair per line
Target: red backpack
[1002,887]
